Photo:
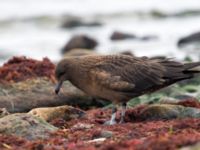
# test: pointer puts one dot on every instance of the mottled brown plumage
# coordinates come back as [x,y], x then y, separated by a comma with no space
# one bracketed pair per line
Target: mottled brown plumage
[119,78]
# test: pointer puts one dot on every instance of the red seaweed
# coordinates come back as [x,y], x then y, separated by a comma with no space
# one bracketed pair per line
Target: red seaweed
[22,68]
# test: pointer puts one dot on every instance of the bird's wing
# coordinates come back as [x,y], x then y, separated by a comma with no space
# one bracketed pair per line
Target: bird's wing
[128,74]
[110,81]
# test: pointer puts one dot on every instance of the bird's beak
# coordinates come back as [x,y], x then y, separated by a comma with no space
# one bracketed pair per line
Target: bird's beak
[58,86]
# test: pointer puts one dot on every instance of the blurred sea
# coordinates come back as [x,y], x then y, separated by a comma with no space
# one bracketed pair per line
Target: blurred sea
[32,27]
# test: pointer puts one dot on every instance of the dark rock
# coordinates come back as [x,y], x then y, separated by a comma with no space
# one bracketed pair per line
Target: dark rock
[77,22]
[64,112]
[190,39]
[80,41]
[25,125]
[117,35]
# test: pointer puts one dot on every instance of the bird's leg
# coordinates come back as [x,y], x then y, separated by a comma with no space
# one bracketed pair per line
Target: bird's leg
[123,111]
[112,120]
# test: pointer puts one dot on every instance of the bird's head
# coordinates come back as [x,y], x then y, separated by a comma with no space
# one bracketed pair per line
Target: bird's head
[61,74]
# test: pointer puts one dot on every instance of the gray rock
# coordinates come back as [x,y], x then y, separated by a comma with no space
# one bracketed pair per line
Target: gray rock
[25,125]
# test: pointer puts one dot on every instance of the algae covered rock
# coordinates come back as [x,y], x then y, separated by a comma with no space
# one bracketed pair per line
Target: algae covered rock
[25,125]
[167,111]
[65,112]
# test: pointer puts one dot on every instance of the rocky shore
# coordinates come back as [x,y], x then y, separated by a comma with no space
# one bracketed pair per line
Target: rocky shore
[33,117]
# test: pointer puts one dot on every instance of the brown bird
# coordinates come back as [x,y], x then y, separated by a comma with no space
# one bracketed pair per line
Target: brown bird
[119,78]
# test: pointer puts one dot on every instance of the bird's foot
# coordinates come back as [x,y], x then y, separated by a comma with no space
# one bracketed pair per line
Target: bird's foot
[110,122]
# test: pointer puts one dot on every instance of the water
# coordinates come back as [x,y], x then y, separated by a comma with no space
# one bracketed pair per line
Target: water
[32,27]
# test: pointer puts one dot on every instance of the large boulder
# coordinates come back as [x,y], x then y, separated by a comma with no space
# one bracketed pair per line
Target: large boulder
[80,41]
[25,125]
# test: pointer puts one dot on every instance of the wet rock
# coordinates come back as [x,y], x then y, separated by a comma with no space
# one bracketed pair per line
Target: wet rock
[50,113]
[34,93]
[117,35]
[3,112]
[167,111]
[25,125]
[77,22]
[80,41]
[193,38]
[79,52]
